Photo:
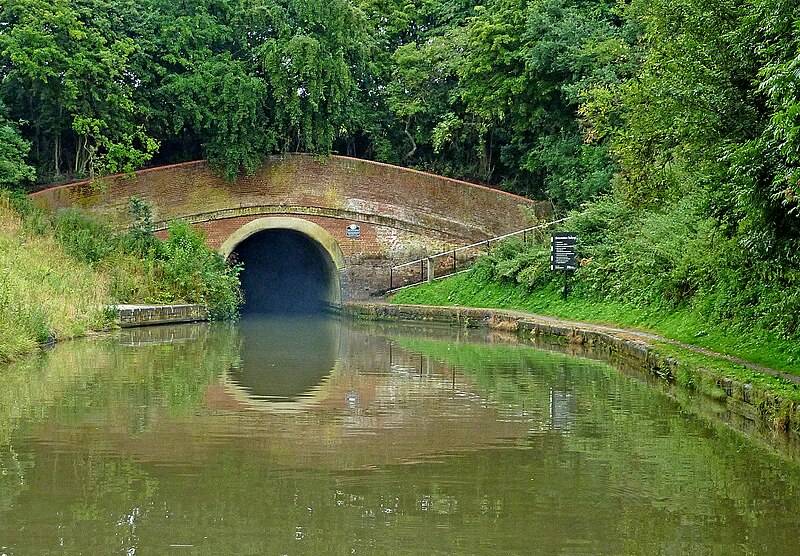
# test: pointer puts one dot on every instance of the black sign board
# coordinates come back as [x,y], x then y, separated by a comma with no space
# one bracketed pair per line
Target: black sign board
[354,231]
[562,251]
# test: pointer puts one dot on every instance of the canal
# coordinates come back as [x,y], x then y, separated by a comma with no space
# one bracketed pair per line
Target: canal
[315,435]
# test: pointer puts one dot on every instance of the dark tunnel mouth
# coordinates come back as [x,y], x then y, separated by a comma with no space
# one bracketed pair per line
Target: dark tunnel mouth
[285,272]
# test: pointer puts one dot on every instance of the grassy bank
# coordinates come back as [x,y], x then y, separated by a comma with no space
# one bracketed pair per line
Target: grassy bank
[44,293]
[773,398]
[60,272]
[748,392]
[668,268]
[475,290]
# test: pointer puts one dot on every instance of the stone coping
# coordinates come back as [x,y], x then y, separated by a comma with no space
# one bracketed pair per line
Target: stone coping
[150,315]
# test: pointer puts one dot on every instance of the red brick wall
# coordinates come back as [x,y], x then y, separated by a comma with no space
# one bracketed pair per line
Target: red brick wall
[403,214]
[368,258]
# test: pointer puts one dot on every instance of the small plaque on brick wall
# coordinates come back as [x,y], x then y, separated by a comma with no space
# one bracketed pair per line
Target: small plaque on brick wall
[354,231]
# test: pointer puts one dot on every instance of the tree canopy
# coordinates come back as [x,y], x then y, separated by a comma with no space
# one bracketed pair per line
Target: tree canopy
[555,99]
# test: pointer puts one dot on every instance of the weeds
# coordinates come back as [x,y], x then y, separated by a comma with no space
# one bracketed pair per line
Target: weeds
[60,272]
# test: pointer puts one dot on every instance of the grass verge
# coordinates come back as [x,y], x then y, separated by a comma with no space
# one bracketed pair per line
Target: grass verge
[44,294]
[467,289]
[60,272]
[775,399]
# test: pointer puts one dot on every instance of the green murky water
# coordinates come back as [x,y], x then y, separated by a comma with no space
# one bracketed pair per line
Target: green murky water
[326,437]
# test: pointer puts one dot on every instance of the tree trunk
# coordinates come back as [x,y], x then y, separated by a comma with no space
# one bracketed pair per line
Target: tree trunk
[410,153]
[57,155]
[57,147]
[486,159]
[77,155]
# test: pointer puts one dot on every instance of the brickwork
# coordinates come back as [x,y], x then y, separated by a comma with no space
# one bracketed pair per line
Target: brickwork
[402,214]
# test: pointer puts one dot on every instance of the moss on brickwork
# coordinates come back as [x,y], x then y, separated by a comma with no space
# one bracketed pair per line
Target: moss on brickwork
[403,214]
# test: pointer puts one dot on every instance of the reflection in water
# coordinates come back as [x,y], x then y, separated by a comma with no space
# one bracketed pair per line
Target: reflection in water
[283,359]
[402,440]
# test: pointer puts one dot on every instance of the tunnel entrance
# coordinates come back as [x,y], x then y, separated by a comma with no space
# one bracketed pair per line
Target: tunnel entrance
[285,272]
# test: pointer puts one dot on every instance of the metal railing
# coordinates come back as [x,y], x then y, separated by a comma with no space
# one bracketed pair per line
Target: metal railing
[448,263]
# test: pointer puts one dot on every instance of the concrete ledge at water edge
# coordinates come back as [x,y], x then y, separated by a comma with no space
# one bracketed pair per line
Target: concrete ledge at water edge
[148,315]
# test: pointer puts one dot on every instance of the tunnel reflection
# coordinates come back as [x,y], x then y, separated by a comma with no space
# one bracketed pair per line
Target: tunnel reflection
[285,272]
[283,359]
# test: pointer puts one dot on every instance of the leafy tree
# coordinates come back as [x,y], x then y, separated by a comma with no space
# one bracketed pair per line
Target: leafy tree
[763,164]
[13,150]
[420,93]
[711,109]
[311,62]
[528,66]
[224,107]
[65,71]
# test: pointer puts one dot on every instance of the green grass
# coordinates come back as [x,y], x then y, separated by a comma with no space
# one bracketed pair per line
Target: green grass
[60,272]
[45,295]
[466,289]
[703,373]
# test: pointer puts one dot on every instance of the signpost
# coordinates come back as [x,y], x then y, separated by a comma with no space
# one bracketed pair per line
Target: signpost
[563,256]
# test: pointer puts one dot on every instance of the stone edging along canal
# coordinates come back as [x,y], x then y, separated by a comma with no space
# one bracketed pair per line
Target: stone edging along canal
[637,350]
[149,315]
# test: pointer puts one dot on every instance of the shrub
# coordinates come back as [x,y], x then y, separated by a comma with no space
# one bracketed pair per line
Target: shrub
[84,238]
[195,273]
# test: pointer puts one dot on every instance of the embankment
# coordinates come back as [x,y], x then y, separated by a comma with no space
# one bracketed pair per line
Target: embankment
[767,396]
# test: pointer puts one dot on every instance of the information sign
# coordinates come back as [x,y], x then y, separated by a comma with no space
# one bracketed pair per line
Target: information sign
[354,231]
[562,251]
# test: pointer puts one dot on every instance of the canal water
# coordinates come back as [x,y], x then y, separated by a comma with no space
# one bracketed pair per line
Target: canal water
[322,436]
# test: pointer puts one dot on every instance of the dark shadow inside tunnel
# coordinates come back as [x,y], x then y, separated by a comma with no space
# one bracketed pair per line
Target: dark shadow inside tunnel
[285,272]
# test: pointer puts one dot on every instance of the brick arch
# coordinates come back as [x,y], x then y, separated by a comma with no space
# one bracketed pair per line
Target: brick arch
[325,242]
[402,214]
[314,231]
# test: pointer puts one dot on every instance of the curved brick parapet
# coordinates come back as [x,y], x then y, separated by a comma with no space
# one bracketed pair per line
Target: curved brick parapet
[400,213]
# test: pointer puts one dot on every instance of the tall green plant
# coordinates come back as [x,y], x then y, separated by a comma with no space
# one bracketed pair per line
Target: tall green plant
[195,273]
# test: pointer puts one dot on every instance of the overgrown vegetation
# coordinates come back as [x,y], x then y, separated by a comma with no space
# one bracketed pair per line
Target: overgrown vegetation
[60,272]
[517,276]
[672,126]
[143,268]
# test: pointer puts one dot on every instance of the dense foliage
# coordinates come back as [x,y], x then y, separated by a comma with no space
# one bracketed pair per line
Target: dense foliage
[487,92]
[705,210]
[686,111]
